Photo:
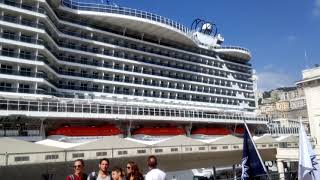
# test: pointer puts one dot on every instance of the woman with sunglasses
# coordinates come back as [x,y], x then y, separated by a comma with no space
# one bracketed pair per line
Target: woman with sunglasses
[78,169]
[133,172]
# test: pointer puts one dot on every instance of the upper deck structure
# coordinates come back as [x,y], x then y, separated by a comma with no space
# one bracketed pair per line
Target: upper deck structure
[79,61]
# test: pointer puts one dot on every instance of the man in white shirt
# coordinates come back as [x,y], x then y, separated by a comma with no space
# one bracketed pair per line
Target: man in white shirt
[154,173]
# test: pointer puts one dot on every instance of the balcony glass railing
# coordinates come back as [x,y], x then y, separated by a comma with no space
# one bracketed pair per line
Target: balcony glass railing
[23,73]
[73,4]
[98,108]
[23,6]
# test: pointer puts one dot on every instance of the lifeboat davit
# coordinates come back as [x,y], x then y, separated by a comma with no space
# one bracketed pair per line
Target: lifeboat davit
[72,131]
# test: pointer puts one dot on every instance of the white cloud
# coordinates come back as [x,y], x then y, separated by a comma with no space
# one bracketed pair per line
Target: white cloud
[268,67]
[268,80]
[316,9]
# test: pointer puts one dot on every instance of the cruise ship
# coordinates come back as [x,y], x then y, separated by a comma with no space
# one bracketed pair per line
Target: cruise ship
[74,71]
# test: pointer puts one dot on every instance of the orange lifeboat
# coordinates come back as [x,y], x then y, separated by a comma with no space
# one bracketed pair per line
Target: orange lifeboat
[211,131]
[159,131]
[106,130]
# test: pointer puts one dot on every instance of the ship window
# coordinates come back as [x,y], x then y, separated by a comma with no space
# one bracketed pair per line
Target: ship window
[77,155]
[122,152]
[224,147]
[141,151]
[21,158]
[158,150]
[263,145]
[101,153]
[4,85]
[51,156]
[188,148]
[202,148]
[8,52]
[8,34]
[235,147]
[25,38]
[174,149]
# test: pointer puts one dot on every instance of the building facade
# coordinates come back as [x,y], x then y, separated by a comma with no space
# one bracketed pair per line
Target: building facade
[286,106]
[311,85]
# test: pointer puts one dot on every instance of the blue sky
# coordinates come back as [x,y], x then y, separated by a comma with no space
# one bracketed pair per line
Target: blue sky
[277,32]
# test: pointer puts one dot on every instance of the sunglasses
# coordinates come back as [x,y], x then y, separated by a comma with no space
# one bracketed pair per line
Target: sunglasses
[78,166]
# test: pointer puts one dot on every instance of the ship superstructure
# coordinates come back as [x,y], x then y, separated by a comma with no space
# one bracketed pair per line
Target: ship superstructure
[69,62]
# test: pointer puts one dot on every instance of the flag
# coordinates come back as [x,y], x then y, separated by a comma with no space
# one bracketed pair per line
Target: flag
[251,162]
[309,168]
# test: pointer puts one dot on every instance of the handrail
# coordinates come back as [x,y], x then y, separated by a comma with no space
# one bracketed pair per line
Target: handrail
[123,11]
[233,47]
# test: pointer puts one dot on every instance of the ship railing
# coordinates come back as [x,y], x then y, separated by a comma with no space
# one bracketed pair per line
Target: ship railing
[114,109]
[276,131]
[22,6]
[107,8]
[233,47]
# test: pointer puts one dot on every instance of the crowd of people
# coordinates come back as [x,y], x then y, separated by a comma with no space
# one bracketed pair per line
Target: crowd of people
[117,173]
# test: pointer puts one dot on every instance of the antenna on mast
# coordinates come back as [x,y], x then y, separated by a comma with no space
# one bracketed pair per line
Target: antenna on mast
[306,58]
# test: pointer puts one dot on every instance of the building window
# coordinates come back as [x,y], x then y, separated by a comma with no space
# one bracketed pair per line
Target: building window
[78,155]
[174,149]
[225,147]
[214,148]
[101,153]
[21,158]
[122,152]
[51,156]
[158,150]
[141,151]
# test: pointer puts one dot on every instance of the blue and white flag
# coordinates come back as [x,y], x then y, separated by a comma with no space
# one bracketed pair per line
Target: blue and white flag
[251,162]
[309,169]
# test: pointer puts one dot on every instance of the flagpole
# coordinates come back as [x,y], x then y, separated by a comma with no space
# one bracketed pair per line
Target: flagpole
[255,147]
